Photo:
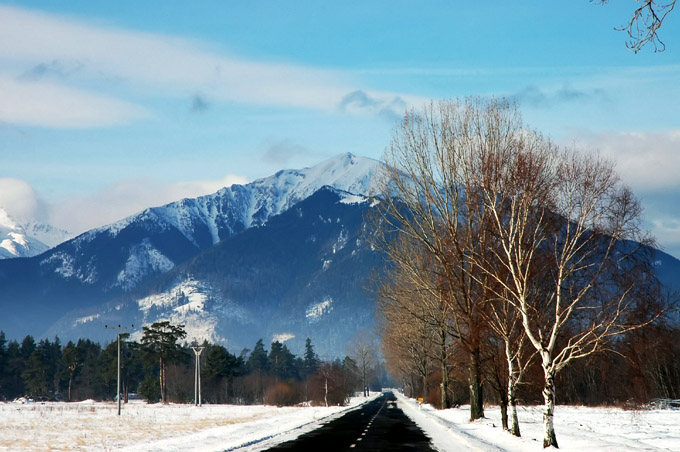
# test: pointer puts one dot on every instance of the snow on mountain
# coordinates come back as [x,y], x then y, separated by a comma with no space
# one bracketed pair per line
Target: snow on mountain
[194,304]
[27,239]
[47,234]
[204,221]
[317,310]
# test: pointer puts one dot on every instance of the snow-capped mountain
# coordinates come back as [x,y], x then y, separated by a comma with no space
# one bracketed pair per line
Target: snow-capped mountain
[285,257]
[302,274]
[159,238]
[106,263]
[27,239]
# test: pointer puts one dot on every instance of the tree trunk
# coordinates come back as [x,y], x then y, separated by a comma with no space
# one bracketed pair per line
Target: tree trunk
[325,394]
[512,393]
[514,420]
[425,388]
[549,396]
[162,380]
[70,385]
[445,400]
[476,395]
[504,411]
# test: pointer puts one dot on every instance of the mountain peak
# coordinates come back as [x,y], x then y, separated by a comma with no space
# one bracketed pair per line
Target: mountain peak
[15,241]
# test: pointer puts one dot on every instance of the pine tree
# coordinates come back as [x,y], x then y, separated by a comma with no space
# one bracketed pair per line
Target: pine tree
[258,361]
[311,360]
[160,341]
[258,366]
[3,365]
[72,361]
[13,384]
[38,375]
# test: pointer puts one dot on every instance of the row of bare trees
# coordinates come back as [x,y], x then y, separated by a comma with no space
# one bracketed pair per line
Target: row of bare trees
[499,239]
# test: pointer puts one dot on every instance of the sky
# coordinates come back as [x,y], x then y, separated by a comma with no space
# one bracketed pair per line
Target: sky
[109,107]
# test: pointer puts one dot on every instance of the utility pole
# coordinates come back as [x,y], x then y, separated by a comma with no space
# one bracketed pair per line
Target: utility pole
[118,379]
[197,375]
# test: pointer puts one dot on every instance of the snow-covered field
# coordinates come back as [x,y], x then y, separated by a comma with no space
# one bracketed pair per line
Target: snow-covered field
[578,429]
[94,426]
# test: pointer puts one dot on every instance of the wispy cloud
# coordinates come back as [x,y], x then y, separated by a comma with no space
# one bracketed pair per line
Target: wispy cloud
[199,104]
[282,152]
[51,105]
[60,55]
[390,107]
[534,96]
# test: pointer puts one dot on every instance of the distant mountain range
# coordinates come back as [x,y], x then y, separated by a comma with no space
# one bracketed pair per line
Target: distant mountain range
[170,261]
[27,239]
[284,257]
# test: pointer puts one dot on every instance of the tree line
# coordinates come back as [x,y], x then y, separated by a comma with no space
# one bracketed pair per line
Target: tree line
[160,368]
[513,265]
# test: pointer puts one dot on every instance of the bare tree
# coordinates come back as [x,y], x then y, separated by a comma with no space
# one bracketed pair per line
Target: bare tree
[570,250]
[417,322]
[645,22]
[534,242]
[364,351]
[430,187]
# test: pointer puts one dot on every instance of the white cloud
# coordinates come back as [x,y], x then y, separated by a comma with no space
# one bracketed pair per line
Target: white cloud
[19,199]
[650,163]
[38,46]
[647,161]
[50,105]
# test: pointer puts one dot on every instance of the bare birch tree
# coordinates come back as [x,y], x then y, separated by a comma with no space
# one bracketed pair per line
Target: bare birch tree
[520,233]
[364,351]
[570,251]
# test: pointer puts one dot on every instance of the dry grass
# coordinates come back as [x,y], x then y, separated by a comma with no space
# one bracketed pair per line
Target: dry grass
[95,426]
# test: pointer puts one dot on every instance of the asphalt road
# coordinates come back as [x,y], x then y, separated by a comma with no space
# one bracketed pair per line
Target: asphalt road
[377,426]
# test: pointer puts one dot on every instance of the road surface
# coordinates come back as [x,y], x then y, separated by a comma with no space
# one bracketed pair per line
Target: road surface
[376,426]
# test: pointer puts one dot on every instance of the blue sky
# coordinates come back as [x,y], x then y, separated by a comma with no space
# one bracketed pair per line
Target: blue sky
[108,107]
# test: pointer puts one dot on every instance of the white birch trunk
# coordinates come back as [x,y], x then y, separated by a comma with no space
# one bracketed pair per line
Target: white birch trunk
[512,397]
[549,438]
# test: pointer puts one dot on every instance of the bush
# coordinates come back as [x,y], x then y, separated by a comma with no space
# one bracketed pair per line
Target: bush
[150,389]
[282,394]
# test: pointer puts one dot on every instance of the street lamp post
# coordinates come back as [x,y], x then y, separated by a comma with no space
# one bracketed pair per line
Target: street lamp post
[197,374]
[118,379]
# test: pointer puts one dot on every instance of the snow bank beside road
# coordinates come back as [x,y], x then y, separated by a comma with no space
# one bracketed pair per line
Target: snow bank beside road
[577,428]
[94,426]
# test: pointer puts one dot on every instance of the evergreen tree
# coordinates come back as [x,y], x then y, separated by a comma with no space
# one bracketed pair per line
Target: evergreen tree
[3,365]
[160,341]
[258,361]
[40,371]
[311,361]
[220,369]
[13,384]
[72,361]
[27,347]
[89,381]
[258,366]
[281,361]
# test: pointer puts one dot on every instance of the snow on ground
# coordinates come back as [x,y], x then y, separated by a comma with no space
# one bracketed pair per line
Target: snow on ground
[578,429]
[94,426]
